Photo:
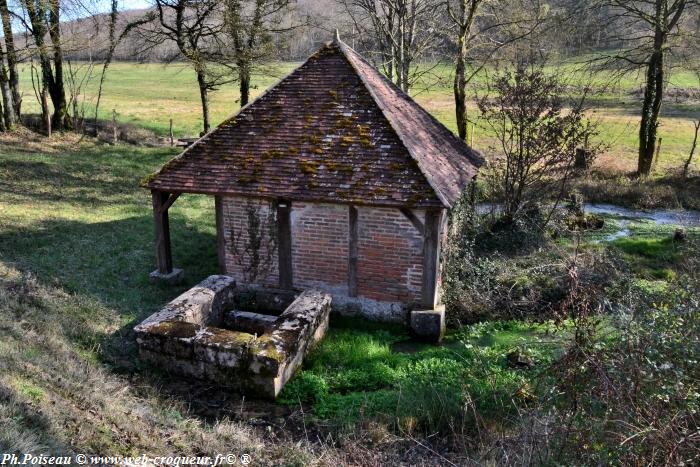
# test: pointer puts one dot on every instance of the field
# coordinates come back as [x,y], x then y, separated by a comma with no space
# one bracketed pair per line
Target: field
[148,95]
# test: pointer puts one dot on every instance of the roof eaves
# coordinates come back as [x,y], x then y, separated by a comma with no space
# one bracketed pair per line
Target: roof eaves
[475,158]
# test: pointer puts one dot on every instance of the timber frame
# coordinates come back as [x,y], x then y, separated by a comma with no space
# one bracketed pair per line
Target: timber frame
[429,231]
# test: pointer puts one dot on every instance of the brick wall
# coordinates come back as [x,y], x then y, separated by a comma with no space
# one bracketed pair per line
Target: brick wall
[390,261]
[320,246]
[390,249]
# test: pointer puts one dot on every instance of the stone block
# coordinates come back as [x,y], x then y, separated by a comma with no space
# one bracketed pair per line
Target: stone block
[247,321]
[175,277]
[428,325]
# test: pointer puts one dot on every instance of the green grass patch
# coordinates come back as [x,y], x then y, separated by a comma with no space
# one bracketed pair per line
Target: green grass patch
[661,249]
[355,374]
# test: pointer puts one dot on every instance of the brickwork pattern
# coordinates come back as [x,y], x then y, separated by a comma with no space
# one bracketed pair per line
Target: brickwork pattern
[320,245]
[390,261]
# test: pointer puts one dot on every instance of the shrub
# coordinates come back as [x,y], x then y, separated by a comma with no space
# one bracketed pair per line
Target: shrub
[468,278]
[633,399]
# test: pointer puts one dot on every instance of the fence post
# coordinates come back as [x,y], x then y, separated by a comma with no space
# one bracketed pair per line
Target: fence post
[656,157]
[114,126]
[45,111]
[172,141]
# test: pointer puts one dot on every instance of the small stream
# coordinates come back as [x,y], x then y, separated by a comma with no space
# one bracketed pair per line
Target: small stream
[683,218]
[625,216]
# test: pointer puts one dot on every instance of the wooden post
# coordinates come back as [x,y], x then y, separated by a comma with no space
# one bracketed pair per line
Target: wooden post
[220,232]
[284,244]
[658,150]
[172,140]
[352,252]
[162,226]
[431,240]
[45,110]
[114,126]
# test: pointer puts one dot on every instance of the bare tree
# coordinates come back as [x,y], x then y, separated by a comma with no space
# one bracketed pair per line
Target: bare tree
[11,58]
[195,26]
[693,147]
[114,41]
[648,30]
[536,135]
[481,29]
[45,18]
[250,26]
[7,110]
[399,32]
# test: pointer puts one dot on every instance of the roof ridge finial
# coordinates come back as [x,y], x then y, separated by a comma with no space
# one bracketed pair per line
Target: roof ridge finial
[336,36]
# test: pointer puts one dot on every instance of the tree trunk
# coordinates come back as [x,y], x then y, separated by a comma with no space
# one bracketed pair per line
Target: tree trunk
[653,97]
[2,121]
[686,166]
[52,77]
[60,119]
[11,58]
[45,112]
[244,83]
[8,113]
[460,86]
[204,96]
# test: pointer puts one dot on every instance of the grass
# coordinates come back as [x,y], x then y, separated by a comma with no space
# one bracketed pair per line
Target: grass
[363,373]
[356,375]
[148,95]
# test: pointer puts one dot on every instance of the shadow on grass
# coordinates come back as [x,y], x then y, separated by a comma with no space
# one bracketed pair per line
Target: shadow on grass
[95,176]
[107,264]
[109,261]
[31,431]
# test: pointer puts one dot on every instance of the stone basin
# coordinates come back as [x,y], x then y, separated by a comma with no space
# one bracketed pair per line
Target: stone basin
[250,339]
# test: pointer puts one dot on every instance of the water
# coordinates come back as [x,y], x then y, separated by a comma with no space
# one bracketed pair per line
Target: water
[681,218]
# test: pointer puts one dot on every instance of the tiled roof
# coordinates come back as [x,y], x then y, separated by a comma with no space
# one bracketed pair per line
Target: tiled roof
[334,130]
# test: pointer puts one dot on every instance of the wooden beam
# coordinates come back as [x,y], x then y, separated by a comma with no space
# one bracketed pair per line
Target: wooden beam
[284,244]
[171,199]
[220,233]
[414,220]
[352,252]
[431,241]
[162,229]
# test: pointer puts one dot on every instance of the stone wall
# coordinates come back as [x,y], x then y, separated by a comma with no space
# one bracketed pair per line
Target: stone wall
[389,264]
[187,337]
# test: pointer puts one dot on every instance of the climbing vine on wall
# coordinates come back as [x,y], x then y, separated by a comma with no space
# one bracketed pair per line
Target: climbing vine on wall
[254,246]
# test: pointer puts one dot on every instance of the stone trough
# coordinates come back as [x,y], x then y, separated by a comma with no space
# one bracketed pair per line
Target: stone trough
[251,339]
